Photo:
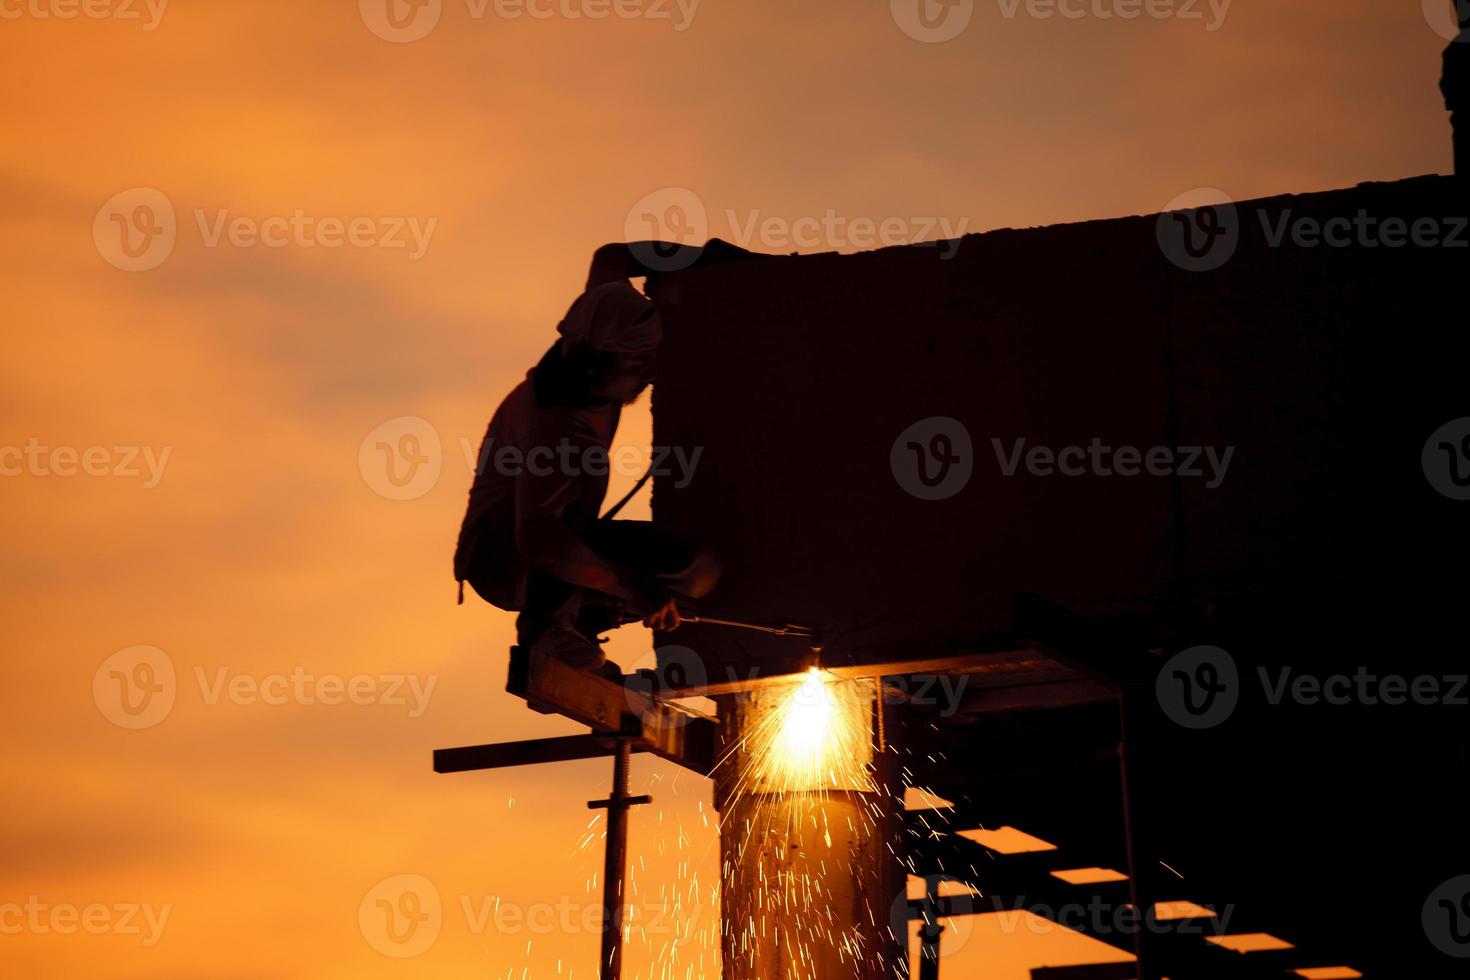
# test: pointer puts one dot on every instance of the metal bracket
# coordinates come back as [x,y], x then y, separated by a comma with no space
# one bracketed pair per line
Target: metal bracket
[609,708]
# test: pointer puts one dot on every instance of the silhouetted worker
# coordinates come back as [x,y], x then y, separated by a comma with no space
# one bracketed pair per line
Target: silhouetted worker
[1455,84]
[532,539]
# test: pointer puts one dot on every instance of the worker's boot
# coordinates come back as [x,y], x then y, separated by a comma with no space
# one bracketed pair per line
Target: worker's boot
[570,647]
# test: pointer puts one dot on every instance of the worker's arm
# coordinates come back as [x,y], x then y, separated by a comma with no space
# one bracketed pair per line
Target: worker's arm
[548,545]
[625,260]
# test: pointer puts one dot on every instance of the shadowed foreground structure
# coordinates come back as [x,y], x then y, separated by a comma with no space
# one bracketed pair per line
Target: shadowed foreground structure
[869,427]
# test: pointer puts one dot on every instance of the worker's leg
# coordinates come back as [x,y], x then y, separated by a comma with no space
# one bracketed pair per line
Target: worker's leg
[671,559]
[675,558]
[549,602]
[557,614]
[548,616]
[551,623]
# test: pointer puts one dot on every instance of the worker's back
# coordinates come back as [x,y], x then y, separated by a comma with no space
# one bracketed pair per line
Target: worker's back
[525,436]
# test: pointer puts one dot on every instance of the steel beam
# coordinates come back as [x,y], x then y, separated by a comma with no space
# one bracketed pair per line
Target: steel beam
[1050,657]
[1012,666]
[531,752]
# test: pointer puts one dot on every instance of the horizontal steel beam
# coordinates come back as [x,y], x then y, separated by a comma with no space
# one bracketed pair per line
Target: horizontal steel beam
[1011,666]
[1032,697]
[1050,657]
[531,752]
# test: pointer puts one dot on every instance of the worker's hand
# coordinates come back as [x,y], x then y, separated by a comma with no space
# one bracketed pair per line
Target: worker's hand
[648,598]
[664,617]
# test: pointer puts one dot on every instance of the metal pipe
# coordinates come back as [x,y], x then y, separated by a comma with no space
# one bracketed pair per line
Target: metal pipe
[615,860]
[613,865]
[930,931]
[776,629]
[1140,872]
[784,629]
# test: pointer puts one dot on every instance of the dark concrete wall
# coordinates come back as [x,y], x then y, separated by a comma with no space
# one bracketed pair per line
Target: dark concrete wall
[1325,368]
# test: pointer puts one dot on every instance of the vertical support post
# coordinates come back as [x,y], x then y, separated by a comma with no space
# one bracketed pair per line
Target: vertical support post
[930,931]
[890,729]
[1141,866]
[615,861]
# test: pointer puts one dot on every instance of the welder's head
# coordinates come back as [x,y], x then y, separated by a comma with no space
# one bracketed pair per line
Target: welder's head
[625,378]
[614,318]
[616,329]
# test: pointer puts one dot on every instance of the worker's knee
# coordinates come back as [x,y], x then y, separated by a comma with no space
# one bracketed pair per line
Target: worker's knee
[700,577]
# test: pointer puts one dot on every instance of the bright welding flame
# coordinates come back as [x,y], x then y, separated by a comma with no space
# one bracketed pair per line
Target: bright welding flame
[807,719]
[819,738]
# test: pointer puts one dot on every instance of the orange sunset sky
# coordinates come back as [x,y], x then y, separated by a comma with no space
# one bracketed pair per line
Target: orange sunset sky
[190,449]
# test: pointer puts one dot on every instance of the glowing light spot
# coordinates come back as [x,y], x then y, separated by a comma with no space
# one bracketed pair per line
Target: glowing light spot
[1170,911]
[1249,942]
[1007,840]
[1090,876]
[811,741]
